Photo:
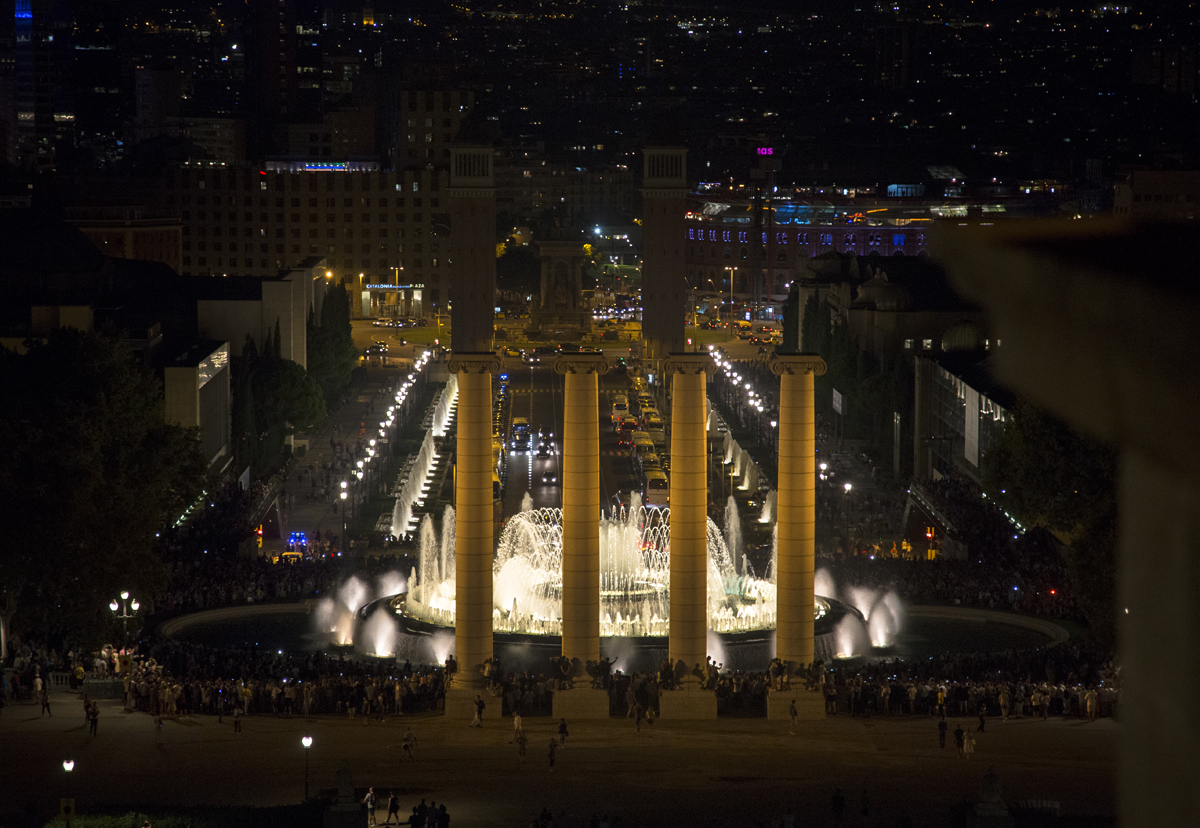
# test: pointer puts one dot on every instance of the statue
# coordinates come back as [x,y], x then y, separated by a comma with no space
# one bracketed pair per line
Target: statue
[990,809]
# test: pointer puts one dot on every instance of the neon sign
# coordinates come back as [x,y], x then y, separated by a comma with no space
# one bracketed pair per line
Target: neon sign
[766,150]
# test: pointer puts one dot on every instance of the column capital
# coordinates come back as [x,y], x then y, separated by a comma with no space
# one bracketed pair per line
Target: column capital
[473,362]
[689,363]
[781,364]
[581,364]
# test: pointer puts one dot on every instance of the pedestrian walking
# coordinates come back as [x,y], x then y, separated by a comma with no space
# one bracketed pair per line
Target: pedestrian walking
[410,744]
[562,732]
[942,733]
[982,717]
[517,728]
[393,808]
[638,713]
[93,718]
[44,698]
[793,714]
[553,753]
[237,719]
[479,706]
[968,744]
[650,720]
[521,740]
[369,801]
[959,740]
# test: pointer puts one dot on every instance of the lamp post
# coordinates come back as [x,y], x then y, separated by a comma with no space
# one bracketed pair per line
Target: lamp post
[846,513]
[307,742]
[343,497]
[68,806]
[124,610]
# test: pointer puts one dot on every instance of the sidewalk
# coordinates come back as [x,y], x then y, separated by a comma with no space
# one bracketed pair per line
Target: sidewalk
[352,421]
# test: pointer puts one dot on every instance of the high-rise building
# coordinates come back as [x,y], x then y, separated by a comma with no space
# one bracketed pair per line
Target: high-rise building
[45,110]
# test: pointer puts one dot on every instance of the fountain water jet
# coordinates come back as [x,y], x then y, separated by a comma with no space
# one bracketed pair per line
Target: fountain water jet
[768,507]
[733,534]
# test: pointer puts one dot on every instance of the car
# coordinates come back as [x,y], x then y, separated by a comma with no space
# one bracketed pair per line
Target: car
[382,322]
[510,352]
[545,449]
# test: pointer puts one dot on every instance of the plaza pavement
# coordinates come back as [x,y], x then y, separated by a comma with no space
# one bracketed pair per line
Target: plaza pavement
[730,772]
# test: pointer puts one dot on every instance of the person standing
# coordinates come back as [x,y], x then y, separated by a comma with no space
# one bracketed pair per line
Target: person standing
[650,720]
[517,727]
[44,698]
[479,706]
[369,801]
[959,740]
[793,714]
[521,741]
[237,719]
[941,726]
[638,712]
[562,733]
[410,744]
[553,753]
[968,744]
[982,717]
[93,718]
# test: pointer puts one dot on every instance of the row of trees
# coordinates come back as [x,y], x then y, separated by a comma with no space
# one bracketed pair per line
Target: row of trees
[274,397]
[1049,474]
[90,473]
[92,476]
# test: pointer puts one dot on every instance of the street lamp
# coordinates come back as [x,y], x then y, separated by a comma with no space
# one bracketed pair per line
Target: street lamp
[68,807]
[307,742]
[127,609]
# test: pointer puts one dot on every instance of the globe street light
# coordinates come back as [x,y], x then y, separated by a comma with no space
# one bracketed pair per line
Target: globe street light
[307,742]
[124,610]
[343,496]
[68,806]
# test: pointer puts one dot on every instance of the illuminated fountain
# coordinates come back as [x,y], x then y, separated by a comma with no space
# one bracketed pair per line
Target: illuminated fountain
[634,582]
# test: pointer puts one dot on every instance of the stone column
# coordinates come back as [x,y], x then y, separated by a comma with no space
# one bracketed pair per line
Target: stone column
[581,505]
[689,507]
[796,507]
[473,525]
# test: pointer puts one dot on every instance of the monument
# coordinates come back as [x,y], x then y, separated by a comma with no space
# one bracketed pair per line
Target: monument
[561,314]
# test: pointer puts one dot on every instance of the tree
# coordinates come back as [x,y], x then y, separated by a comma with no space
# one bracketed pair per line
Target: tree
[1050,475]
[519,271]
[89,473]
[331,352]
[273,398]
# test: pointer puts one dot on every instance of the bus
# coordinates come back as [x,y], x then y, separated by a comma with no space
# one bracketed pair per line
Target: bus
[656,430]
[656,491]
[520,435]
[620,407]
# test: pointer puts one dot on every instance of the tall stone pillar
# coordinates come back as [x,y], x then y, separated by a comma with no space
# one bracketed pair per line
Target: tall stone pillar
[581,505]
[688,641]
[581,528]
[473,550]
[664,263]
[796,508]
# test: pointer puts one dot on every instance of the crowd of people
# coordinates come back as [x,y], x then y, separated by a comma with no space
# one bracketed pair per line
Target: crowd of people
[220,583]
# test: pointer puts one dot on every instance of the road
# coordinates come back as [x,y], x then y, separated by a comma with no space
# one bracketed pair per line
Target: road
[536,393]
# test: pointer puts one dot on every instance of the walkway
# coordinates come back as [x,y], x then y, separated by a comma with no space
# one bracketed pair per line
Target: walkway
[359,416]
